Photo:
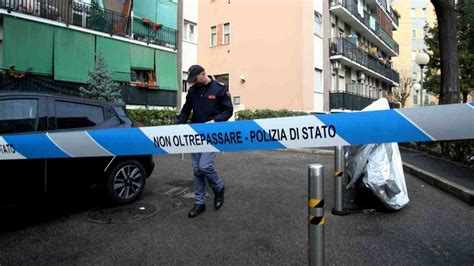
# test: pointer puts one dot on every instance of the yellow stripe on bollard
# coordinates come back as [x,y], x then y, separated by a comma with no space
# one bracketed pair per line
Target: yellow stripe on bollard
[315,203]
[316,220]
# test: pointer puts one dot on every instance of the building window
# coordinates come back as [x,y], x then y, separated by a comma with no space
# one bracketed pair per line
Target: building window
[413,12]
[318,20]
[189,31]
[185,83]
[413,34]
[226,35]
[222,78]
[213,36]
[425,14]
[334,82]
[342,84]
[318,80]
[143,78]
[415,99]
[415,75]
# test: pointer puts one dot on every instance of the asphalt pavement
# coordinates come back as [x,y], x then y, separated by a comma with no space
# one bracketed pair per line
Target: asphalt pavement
[263,221]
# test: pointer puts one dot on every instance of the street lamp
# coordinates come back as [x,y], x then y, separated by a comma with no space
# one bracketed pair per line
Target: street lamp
[417,88]
[422,59]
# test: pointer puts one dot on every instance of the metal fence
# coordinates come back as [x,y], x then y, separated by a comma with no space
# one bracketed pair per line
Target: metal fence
[37,83]
[348,101]
[141,96]
[342,100]
[72,13]
[45,84]
[93,17]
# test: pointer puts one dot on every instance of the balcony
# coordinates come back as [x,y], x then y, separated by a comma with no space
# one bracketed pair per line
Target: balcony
[389,10]
[351,55]
[340,100]
[348,11]
[166,37]
[90,17]
[44,84]
[357,97]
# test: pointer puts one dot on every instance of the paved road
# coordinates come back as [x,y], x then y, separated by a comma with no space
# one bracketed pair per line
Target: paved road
[262,222]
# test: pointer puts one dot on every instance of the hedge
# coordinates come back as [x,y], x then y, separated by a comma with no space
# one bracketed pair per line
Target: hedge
[148,117]
[153,117]
[266,113]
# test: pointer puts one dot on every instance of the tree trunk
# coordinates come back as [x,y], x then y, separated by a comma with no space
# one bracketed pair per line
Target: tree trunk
[446,15]
[464,96]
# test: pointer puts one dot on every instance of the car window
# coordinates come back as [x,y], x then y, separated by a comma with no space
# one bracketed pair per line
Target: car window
[77,115]
[18,115]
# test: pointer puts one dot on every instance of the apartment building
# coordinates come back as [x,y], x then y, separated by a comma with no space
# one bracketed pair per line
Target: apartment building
[415,15]
[315,56]
[50,45]
[361,48]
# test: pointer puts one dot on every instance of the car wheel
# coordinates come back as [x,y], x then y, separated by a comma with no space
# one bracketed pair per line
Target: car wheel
[125,182]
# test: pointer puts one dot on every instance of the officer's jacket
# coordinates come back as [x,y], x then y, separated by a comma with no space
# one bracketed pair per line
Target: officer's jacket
[207,102]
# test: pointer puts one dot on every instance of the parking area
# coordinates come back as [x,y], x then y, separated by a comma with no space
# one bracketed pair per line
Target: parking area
[263,221]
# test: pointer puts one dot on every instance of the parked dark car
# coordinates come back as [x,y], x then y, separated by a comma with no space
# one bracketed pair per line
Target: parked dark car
[122,178]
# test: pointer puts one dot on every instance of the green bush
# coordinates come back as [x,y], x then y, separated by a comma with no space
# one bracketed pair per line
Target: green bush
[266,113]
[153,117]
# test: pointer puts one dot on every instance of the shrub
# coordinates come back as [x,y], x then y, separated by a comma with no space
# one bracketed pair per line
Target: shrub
[266,113]
[153,117]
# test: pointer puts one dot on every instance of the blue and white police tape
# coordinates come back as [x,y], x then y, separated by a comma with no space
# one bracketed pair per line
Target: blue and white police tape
[446,122]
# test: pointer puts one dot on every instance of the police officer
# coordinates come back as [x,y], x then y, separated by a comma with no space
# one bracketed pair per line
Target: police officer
[210,102]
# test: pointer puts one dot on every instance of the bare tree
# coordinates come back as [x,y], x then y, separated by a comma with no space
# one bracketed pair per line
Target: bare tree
[403,91]
[446,16]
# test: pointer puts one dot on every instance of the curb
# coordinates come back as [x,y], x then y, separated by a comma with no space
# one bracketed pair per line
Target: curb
[313,151]
[450,187]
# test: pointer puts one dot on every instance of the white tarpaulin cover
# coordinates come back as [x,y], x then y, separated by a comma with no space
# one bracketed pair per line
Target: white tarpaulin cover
[381,168]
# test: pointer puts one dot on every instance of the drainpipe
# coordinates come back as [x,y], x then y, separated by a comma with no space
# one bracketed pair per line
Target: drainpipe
[179,56]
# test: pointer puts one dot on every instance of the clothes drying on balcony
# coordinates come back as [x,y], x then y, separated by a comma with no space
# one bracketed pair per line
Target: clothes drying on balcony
[360,8]
[372,23]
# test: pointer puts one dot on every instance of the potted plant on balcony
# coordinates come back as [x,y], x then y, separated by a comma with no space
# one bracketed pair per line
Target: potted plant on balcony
[395,12]
[98,20]
[157,27]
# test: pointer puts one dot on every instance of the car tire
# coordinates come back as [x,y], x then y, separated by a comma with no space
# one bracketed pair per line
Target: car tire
[125,183]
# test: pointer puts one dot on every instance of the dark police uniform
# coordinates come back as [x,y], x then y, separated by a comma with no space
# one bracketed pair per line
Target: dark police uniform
[208,102]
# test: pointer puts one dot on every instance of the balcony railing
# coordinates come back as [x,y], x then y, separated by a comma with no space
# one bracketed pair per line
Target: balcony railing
[356,97]
[165,36]
[341,100]
[391,13]
[44,84]
[90,17]
[369,21]
[344,47]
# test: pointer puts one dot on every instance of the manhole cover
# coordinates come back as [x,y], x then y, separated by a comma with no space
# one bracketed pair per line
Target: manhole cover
[123,214]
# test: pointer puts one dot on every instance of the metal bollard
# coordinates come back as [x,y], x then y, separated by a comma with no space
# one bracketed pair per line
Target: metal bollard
[339,167]
[316,214]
